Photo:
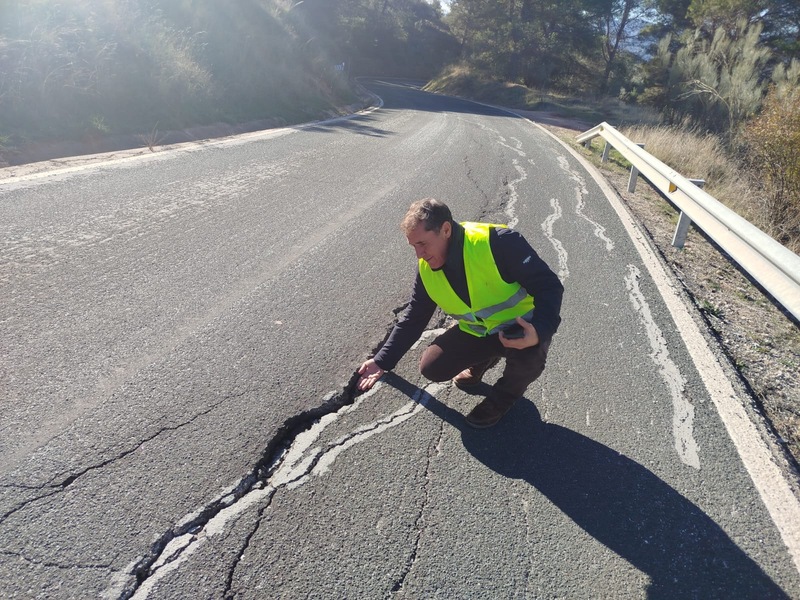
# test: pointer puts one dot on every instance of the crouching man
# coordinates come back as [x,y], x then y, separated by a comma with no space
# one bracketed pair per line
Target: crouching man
[505,299]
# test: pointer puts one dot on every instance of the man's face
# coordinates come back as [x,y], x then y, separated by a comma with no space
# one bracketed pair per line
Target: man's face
[431,246]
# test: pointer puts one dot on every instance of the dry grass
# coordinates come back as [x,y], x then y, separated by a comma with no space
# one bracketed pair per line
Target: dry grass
[703,156]
[697,156]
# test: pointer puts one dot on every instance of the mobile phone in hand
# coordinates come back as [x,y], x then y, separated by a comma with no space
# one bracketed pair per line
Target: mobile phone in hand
[514,332]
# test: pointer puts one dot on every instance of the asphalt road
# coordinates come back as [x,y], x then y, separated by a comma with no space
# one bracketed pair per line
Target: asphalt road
[178,333]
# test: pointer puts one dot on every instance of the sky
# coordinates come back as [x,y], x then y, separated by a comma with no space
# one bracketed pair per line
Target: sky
[445,5]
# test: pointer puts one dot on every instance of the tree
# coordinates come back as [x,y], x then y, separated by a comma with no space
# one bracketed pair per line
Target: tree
[713,15]
[536,42]
[780,20]
[717,84]
[782,28]
[620,17]
[675,12]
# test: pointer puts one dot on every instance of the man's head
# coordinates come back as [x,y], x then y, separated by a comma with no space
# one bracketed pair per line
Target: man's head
[428,226]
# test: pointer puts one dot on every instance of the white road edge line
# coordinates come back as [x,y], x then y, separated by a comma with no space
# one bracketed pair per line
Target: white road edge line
[776,493]
[682,408]
[133,155]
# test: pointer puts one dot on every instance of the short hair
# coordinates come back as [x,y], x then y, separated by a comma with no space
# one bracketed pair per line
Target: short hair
[428,211]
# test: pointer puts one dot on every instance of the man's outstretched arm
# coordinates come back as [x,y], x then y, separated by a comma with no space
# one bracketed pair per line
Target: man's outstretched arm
[405,333]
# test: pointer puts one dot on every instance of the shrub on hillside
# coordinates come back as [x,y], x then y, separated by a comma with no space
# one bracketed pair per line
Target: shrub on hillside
[82,68]
[716,83]
[773,149]
[691,153]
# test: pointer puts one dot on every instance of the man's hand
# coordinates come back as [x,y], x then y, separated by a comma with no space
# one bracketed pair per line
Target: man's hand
[370,373]
[531,337]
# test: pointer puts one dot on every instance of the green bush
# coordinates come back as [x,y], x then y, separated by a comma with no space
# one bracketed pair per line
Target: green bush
[716,84]
[67,67]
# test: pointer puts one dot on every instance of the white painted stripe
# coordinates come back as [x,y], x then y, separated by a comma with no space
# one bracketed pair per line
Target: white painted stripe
[580,193]
[547,227]
[682,409]
[776,493]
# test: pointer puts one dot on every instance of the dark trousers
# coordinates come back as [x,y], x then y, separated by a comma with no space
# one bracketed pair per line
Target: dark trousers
[455,350]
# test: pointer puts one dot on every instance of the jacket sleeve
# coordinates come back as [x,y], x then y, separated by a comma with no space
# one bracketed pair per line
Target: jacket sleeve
[408,329]
[518,262]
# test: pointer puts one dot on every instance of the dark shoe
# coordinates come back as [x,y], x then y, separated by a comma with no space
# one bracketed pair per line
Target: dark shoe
[474,375]
[489,412]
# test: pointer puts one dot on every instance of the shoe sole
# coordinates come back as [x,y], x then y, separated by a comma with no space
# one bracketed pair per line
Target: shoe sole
[466,386]
[481,425]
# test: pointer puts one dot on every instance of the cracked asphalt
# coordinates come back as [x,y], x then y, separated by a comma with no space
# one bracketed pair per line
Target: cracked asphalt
[179,333]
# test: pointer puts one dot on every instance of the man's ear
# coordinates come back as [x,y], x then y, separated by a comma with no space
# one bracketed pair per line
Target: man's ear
[447,229]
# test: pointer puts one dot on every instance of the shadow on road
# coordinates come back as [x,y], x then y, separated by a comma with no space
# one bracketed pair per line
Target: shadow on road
[404,97]
[619,502]
[398,98]
[359,124]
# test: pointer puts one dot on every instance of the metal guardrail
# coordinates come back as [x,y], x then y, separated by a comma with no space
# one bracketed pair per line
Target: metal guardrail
[772,265]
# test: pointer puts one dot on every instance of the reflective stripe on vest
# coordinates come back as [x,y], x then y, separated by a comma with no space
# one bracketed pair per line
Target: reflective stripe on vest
[495,302]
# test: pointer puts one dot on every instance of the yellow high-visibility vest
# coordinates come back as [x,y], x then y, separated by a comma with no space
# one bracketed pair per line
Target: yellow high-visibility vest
[495,303]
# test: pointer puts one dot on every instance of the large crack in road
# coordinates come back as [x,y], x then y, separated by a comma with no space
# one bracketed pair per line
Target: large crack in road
[419,526]
[172,544]
[297,466]
[285,463]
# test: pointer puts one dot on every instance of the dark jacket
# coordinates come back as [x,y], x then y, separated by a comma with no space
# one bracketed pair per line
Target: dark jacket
[516,261]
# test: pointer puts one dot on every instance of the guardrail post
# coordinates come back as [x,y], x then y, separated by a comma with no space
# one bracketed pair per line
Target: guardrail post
[679,239]
[634,175]
[606,149]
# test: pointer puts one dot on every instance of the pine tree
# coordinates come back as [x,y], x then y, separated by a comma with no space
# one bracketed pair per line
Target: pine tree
[716,84]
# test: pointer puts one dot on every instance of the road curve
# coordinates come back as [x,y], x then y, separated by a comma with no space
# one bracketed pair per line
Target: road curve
[179,331]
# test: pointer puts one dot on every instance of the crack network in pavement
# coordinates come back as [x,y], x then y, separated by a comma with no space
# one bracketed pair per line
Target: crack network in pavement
[54,487]
[277,468]
[419,522]
[177,540]
[472,179]
[526,509]
[296,466]
[293,466]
